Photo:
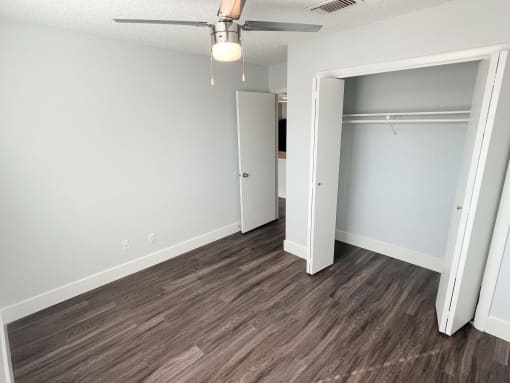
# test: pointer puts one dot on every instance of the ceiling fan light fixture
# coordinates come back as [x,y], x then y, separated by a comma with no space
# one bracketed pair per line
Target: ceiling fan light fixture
[226,33]
[226,52]
[226,41]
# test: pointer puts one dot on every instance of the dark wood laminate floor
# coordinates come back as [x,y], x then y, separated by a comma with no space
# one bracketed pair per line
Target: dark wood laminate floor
[242,310]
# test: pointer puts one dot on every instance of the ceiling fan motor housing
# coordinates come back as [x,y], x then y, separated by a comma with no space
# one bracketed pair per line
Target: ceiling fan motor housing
[225,32]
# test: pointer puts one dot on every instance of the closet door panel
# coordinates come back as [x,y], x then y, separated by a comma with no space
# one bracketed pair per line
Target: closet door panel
[479,106]
[495,159]
[326,139]
[478,192]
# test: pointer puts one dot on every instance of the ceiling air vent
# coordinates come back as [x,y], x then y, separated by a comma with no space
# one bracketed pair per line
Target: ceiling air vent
[331,6]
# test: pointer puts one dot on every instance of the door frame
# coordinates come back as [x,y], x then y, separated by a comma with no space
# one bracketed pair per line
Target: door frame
[277,92]
[484,53]
[501,235]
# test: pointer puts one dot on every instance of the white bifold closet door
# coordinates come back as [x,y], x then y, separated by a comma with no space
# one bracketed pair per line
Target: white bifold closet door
[256,133]
[326,141]
[473,214]
[478,191]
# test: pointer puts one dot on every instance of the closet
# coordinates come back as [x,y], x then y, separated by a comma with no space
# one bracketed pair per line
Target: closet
[401,151]
[410,163]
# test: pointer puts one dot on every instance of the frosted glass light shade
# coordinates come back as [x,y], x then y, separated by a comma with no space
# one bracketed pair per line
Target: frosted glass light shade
[226,51]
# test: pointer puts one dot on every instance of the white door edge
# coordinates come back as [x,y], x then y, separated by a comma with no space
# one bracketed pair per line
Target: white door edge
[473,187]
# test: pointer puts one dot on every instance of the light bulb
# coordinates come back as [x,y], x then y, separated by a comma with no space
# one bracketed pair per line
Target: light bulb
[226,51]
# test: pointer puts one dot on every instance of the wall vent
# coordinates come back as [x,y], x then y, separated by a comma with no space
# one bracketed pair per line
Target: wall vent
[331,6]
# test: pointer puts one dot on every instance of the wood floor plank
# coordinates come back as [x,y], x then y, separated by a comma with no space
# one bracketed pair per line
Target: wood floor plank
[242,310]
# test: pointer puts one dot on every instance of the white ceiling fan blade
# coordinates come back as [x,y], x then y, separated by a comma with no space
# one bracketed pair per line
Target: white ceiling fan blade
[167,22]
[250,25]
[231,9]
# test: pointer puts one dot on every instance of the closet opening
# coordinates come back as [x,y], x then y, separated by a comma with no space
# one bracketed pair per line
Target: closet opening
[402,143]
[408,163]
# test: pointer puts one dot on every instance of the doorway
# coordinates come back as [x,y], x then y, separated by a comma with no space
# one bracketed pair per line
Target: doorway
[281,100]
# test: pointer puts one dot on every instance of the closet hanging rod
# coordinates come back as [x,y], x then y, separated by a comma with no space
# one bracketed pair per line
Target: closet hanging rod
[422,120]
[443,112]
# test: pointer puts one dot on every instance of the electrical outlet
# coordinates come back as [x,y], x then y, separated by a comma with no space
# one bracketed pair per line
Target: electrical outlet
[125,244]
[151,237]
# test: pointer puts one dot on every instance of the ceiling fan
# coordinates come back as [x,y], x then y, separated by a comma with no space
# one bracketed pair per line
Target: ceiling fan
[226,33]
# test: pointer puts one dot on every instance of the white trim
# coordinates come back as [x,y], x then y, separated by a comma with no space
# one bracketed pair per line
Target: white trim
[417,258]
[6,374]
[294,249]
[416,62]
[498,327]
[311,195]
[278,91]
[494,259]
[62,293]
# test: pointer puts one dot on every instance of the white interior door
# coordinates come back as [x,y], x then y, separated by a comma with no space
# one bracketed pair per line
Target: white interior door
[256,133]
[477,197]
[326,140]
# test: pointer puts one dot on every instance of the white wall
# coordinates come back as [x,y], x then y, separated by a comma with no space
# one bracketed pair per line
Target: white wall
[455,25]
[500,307]
[102,141]
[397,183]
[278,76]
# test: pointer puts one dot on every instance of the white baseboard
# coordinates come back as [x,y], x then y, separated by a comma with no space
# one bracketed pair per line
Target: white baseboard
[426,261]
[498,327]
[295,249]
[62,293]
[6,375]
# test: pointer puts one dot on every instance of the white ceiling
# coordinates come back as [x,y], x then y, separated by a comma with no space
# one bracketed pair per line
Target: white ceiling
[95,16]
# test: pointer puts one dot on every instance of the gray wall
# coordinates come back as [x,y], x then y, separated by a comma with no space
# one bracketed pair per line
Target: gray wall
[278,76]
[398,186]
[102,141]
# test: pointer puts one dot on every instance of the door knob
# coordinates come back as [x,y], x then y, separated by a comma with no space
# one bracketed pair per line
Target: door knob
[459,207]
[319,183]
[245,175]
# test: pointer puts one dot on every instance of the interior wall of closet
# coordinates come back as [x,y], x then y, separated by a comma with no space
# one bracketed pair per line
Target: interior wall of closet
[403,141]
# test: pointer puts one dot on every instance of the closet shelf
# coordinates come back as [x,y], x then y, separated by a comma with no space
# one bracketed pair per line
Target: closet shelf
[422,120]
[457,116]
[438,113]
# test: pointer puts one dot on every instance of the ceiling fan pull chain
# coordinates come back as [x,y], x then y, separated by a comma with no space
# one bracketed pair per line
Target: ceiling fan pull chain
[211,70]
[243,76]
